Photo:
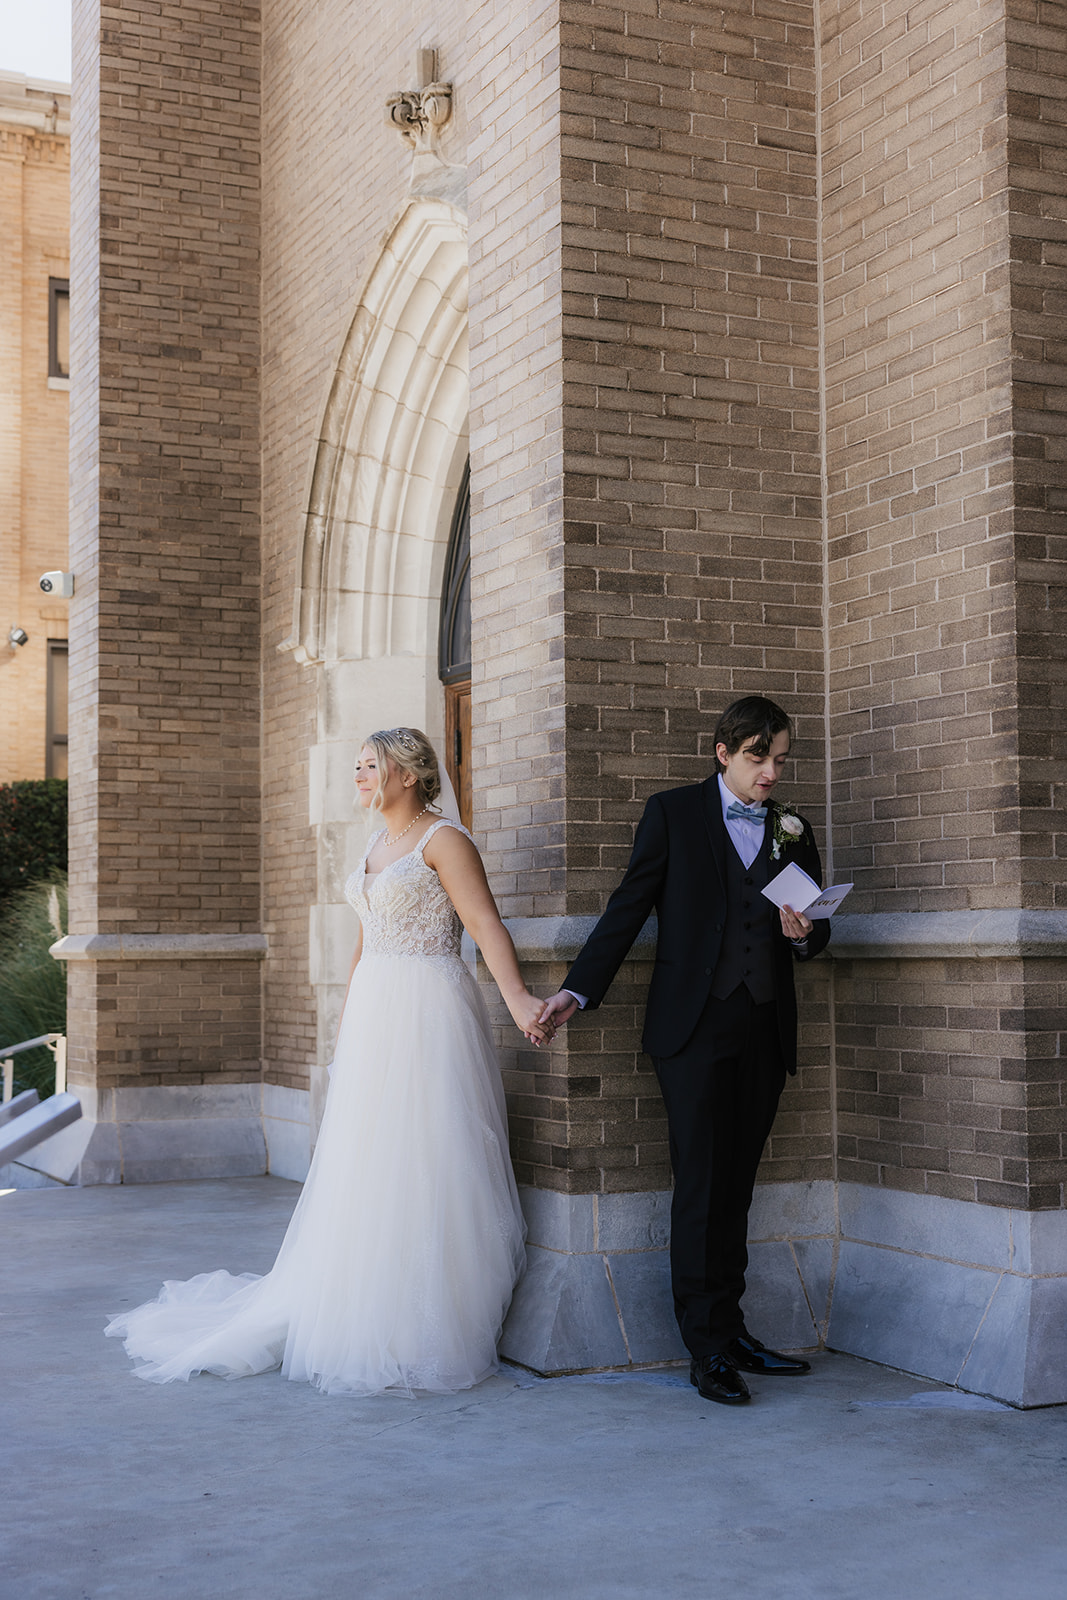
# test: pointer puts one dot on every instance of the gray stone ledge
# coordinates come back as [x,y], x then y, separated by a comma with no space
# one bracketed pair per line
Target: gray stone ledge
[160,947]
[959,934]
[561,938]
[878,935]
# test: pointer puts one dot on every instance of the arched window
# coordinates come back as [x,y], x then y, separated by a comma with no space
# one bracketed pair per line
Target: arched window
[454,650]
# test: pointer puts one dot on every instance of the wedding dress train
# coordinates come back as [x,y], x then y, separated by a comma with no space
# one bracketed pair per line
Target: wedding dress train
[398,1265]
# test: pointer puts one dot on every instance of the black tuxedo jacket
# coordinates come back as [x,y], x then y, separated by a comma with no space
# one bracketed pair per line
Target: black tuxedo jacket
[678,870]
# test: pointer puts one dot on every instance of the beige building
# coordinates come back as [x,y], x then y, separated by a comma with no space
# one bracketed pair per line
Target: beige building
[34,380]
[750,321]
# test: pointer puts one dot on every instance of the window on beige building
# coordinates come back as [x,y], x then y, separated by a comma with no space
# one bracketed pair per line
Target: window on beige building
[59,328]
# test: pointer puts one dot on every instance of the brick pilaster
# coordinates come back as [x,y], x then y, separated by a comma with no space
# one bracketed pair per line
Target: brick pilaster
[165,697]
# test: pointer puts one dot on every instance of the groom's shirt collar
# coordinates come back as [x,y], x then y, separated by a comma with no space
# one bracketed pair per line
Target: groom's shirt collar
[746,835]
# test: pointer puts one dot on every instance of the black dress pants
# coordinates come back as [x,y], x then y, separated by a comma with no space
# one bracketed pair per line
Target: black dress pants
[721,1092]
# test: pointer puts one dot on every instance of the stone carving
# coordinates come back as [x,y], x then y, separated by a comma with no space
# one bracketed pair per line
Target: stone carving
[420,114]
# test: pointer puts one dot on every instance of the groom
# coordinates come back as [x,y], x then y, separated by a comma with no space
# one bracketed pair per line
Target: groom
[721,1018]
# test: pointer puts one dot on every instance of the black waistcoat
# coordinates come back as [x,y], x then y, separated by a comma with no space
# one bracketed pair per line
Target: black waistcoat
[747,954]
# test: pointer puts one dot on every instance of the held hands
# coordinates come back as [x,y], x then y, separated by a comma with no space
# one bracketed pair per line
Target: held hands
[539,1019]
[526,1012]
[795,925]
[557,1011]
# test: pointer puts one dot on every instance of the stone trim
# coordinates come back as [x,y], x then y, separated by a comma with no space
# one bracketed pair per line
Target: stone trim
[958,934]
[35,105]
[903,935]
[160,947]
[395,416]
[158,1134]
[966,1294]
[287,1131]
[561,938]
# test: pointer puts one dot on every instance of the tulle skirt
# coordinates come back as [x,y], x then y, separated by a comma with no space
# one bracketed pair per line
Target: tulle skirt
[399,1263]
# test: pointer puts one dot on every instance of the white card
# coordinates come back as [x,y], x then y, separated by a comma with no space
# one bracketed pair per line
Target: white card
[828,901]
[793,887]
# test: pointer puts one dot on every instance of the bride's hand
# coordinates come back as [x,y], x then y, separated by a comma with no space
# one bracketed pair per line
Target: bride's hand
[526,1011]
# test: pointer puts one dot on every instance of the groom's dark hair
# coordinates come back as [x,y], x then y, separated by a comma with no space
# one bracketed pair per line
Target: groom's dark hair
[752,718]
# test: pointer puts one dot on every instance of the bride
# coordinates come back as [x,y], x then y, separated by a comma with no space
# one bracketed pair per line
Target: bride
[398,1265]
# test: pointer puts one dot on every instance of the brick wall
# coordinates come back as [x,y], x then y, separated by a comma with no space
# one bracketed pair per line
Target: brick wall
[931,1078]
[166,1022]
[517,453]
[693,556]
[943,286]
[922,615]
[693,553]
[656,202]
[165,835]
[685,532]
[1037,133]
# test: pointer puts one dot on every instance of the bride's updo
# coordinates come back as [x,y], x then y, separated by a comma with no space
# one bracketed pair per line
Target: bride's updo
[412,752]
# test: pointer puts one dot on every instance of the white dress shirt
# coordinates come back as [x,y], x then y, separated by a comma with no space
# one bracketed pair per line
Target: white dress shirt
[745,832]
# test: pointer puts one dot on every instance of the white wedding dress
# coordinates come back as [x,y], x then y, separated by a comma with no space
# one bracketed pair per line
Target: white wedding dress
[398,1265]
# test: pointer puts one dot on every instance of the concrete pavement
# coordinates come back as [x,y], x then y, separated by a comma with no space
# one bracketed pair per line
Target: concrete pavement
[853,1482]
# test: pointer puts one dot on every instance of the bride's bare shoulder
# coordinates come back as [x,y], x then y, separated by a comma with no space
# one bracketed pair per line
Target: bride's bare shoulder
[448,841]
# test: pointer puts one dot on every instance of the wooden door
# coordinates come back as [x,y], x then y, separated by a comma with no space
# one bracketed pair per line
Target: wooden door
[458,745]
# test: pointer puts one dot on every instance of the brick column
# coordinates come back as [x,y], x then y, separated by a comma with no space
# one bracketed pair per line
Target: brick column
[944,246]
[808,357]
[165,945]
[646,541]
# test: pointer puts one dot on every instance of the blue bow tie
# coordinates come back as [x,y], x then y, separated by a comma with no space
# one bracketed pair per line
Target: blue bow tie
[750,813]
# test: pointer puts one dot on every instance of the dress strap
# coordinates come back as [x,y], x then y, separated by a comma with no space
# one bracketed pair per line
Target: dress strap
[442,822]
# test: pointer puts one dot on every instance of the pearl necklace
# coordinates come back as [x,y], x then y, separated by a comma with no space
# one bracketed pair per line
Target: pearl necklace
[390,842]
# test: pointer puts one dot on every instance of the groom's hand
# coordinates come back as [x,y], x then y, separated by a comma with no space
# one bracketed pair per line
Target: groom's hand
[558,1010]
[795,925]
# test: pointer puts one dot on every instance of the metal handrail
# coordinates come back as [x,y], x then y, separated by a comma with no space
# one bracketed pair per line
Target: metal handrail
[56,1042]
[28,1044]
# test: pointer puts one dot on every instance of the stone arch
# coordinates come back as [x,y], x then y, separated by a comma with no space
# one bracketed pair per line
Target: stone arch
[388,467]
[393,430]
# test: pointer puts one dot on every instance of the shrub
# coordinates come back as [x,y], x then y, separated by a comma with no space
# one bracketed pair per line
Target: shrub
[33,832]
[33,987]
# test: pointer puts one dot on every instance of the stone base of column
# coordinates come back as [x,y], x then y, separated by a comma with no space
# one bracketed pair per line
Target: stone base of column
[287,1131]
[157,1135]
[967,1294]
[597,1291]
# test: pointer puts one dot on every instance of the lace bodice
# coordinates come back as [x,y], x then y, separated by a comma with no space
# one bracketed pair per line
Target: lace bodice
[404,908]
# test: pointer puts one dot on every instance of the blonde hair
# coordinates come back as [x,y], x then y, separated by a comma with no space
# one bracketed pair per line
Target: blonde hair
[411,751]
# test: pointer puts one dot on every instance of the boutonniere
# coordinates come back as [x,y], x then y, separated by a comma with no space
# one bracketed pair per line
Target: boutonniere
[788,828]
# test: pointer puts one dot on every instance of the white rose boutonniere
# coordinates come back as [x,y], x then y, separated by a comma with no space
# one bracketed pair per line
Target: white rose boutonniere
[788,828]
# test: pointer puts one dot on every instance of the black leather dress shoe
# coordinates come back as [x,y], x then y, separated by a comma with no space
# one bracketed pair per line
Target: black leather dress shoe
[716,1378]
[751,1356]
